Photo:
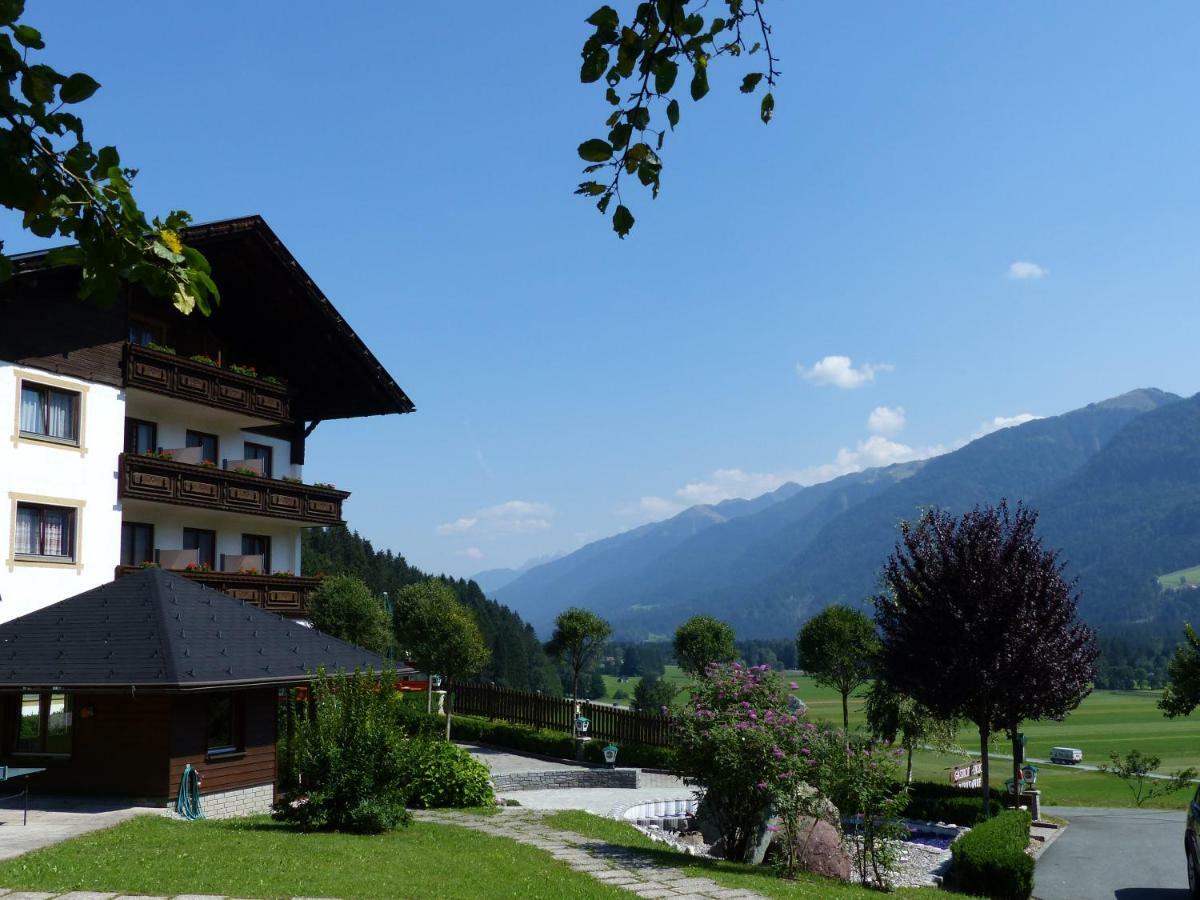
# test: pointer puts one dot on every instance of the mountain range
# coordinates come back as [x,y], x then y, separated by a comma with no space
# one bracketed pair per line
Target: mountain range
[1117,484]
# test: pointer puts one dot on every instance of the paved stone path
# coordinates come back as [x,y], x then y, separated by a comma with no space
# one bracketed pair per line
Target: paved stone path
[55,819]
[608,863]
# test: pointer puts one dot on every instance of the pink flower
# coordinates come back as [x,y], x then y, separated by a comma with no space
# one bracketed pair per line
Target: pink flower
[793,686]
[779,754]
[772,828]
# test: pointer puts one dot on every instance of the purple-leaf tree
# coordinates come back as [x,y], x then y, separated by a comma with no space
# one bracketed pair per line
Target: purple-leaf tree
[978,622]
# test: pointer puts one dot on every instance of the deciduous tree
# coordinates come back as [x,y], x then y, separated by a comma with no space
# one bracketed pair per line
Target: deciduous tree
[437,634]
[702,640]
[895,718]
[1182,693]
[838,648]
[578,636]
[977,621]
[652,694]
[345,607]
[64,187]
[639,57]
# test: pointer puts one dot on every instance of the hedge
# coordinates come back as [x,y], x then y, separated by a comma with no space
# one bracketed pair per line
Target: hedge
[990,859]
[932,801]
[413,719]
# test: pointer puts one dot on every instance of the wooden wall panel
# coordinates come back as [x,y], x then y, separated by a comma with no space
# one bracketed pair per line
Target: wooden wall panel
[119,749]
[256,765]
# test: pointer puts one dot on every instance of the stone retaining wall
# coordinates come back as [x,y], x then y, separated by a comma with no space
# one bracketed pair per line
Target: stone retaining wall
[251,801]
[566,778]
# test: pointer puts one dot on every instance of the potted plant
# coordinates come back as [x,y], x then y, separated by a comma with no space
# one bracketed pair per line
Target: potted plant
[247,371]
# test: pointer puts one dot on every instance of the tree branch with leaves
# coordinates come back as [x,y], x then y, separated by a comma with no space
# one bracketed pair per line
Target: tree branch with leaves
[639,61]
[65,188]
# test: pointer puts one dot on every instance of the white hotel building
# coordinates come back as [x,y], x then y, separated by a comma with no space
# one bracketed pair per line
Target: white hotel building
[136,436]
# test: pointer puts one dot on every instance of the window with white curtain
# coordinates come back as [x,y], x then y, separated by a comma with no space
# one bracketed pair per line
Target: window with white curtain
[45,531]
[49,412]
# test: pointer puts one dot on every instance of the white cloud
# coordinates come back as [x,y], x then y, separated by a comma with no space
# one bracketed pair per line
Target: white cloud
[725,484]
[513,517]
[839,371]
[886,420]
[472,553]
[1026,271]
[998,422]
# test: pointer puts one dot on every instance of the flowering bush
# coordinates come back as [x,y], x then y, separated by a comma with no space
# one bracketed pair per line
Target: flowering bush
[862,781]
[197,567]
[203,358]
[740,740]
[247,371]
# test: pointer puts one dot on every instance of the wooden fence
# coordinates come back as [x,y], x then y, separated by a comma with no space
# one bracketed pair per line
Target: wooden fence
[557,713]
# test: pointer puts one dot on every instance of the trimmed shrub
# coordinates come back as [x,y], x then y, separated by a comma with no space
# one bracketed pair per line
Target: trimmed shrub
[413,720]
[990,859]
[440,775]
[933,802]
[637,756]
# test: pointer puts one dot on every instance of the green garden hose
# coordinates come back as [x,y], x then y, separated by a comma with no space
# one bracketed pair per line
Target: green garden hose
[188,802]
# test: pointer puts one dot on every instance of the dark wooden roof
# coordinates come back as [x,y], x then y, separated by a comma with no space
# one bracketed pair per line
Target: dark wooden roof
[160,631]
[272,315]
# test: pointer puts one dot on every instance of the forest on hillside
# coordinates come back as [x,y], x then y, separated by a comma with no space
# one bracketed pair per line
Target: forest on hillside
[518,660]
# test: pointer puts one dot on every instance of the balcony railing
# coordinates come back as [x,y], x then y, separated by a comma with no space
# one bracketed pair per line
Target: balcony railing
[182,484]
[285,594]
[186,379]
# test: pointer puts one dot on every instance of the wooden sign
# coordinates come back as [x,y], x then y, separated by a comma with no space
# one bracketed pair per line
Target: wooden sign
[968,776]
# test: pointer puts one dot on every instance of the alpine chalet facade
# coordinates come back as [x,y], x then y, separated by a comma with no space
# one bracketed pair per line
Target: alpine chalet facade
[139,437]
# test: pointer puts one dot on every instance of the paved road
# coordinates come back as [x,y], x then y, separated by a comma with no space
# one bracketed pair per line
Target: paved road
[1126,854]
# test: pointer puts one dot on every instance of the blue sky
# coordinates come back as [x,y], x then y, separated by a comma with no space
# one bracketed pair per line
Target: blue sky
[420,165]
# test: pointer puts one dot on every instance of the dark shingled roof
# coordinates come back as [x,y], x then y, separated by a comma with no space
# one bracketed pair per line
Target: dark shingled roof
[154,629]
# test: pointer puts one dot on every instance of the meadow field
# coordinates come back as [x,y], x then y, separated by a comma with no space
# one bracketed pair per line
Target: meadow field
[1106,721]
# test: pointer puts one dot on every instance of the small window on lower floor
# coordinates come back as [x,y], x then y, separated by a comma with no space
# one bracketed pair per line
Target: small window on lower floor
[46,532]
[44,724]
[223,731]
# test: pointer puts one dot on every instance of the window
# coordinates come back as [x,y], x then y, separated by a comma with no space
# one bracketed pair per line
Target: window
[223,724]
[260,451]
[258,545]
[44,724]
[137,543]
[45,531]
[143,333]
[207,442]
[140,436]
[203,541]
[49,412]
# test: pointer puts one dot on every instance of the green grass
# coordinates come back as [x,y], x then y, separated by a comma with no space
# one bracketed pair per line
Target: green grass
[1177,579]
[1104,722]
[736,876]
[260,858]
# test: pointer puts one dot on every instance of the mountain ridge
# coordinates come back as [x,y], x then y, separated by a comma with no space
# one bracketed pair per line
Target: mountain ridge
[773,561]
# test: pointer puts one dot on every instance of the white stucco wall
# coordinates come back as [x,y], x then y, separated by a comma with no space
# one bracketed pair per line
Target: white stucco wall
[169,522]
[83,477]
[175,418]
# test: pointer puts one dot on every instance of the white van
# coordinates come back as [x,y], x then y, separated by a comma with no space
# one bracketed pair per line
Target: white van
[1066,756]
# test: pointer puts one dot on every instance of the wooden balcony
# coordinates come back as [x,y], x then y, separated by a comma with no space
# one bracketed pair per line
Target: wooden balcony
[182,484]
[284,594]
[185,379]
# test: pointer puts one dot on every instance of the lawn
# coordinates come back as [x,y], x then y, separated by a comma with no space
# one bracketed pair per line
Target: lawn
[1105,721]
[736,876]
[260,858]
